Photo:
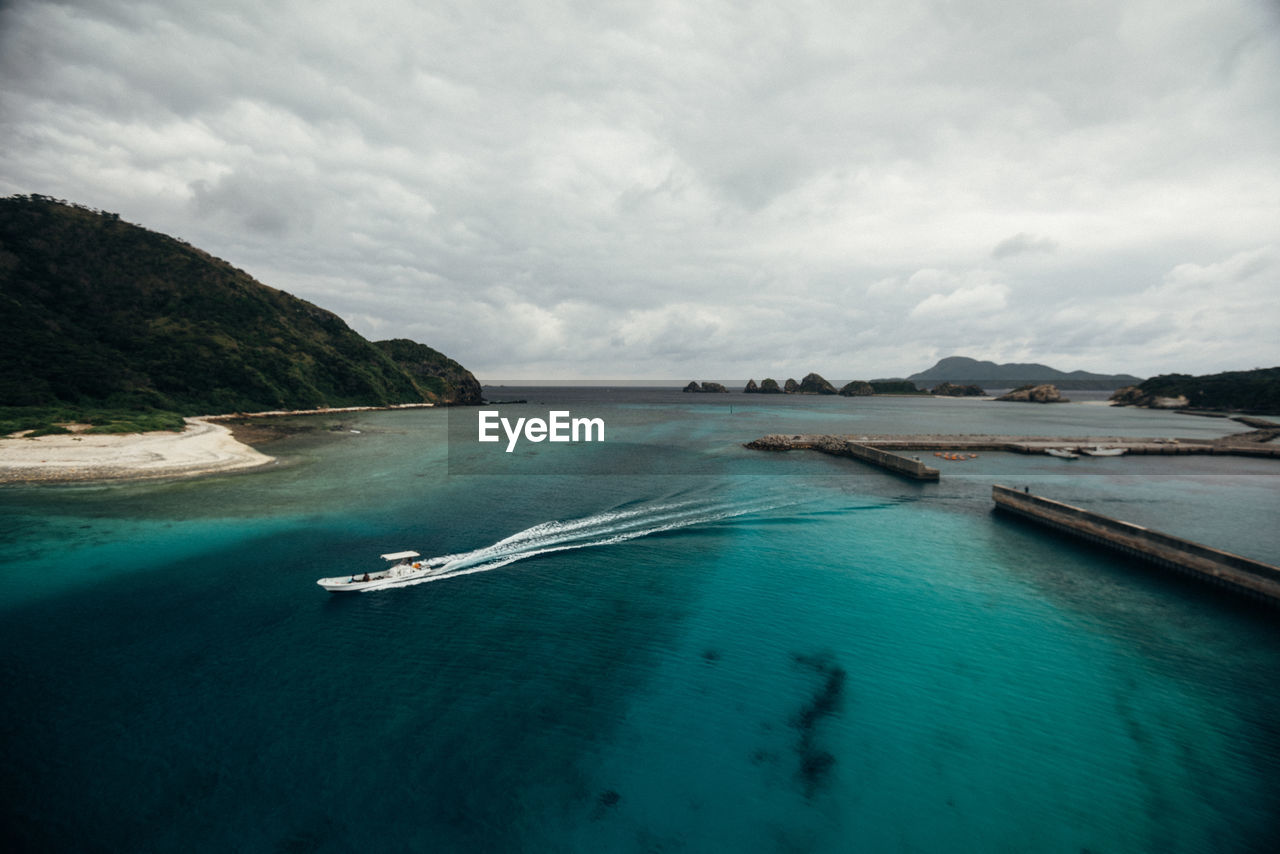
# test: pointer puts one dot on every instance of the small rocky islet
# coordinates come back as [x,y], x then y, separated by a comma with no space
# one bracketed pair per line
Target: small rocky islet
[1042,393]
[813,383]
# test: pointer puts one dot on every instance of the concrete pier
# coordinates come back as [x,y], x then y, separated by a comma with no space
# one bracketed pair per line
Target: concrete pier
[1252,578]
[1038,444]
[1244,444]
[905,466]
[839,446]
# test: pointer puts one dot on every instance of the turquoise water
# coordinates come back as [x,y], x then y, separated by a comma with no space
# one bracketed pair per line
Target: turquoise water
[670,644]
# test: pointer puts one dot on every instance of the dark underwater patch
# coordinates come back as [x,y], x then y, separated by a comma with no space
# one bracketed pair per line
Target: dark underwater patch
[608,799]
[816,762]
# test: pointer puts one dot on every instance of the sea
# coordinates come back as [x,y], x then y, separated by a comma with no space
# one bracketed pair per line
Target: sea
[658,642]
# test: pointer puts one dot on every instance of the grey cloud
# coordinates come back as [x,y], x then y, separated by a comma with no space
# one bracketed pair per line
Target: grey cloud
[270,205]
[1022,243]
[525,186]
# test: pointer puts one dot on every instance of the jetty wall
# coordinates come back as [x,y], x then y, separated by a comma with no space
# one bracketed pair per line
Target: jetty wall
[840,447]
[1037,445]
[906,466]
[1253,578]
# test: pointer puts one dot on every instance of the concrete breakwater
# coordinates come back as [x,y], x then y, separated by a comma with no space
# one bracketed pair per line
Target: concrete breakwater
[1256,443]
[842,447]
[1253,578]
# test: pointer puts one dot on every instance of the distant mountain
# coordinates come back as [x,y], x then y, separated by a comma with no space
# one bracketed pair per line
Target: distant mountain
[961,370]
[99,312]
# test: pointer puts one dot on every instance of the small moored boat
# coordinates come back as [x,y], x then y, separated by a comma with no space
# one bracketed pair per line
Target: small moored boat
[1099,451]
[1061,453]
[404,568]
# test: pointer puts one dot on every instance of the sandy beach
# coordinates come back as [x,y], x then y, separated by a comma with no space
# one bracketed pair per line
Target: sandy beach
[202,448]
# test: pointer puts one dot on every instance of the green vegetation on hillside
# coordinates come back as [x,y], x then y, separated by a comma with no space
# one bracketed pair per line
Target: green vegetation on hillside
[856,388]
[99,315]
[434,372]
[895,387]
[45,420]
[954,390]
[1249,391]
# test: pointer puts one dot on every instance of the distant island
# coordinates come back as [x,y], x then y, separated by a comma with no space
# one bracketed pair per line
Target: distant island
[814,383]
[955,376]
[958,376]
[946,389]
[1257,391]
[961,370]
[1042,393]
[107,322]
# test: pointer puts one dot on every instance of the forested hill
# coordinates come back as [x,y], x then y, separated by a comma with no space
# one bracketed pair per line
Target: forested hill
[962,370]
[1257,390]
[95,311]
[433,371]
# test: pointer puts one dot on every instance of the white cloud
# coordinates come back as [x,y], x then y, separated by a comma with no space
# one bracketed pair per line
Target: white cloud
[963,303]
[684,188]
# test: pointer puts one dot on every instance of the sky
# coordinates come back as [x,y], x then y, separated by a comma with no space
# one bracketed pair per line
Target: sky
[679,190]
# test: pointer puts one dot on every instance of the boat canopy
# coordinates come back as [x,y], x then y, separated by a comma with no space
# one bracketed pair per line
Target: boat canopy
[400,555]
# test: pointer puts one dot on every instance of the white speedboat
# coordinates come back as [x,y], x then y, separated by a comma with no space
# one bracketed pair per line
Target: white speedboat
[1062,453]
[405,567]
[1099,451]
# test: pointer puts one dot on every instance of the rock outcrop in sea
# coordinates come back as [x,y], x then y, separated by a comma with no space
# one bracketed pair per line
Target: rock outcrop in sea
[791,386]
[751,388]
[814,384]
[856,388]
[1044,393]
[705,388]
[1132,395]
[954,390]
[769,385]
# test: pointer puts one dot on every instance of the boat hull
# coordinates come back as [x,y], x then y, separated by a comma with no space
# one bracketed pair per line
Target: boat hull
[393,577]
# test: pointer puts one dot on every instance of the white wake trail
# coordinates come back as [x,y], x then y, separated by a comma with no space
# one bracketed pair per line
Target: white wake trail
[602,529]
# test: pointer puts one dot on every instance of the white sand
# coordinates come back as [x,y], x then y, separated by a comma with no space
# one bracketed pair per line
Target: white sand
[202,448]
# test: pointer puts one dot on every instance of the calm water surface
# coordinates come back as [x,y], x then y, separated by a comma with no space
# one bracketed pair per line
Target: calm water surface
[669,643]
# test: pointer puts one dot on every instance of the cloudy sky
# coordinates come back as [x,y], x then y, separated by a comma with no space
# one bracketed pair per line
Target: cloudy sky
[700,188]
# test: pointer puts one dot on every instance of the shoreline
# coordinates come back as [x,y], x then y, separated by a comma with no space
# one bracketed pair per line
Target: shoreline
[209,446]
[203,448]
[262,428]
[330,410]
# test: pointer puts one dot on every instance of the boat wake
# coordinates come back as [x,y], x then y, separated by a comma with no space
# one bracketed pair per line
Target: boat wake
[601,529]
